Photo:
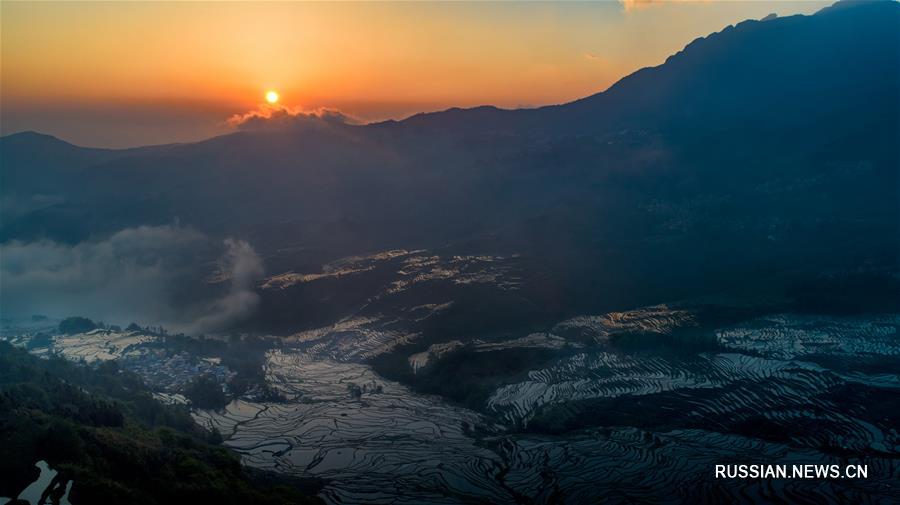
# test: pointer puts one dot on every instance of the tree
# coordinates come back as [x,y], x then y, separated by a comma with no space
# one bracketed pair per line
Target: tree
[75,324]
[205,392]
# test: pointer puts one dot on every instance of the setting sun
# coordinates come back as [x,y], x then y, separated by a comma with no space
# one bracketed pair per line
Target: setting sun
[272,96]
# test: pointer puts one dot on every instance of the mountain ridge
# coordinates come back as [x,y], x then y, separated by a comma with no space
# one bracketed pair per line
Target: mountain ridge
[770,145]
[487,117]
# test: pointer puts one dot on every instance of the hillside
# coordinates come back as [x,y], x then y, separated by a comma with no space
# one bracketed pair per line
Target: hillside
[102,429]
[767,147]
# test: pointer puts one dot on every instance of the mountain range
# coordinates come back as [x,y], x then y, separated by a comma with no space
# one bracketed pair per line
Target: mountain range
[764,150]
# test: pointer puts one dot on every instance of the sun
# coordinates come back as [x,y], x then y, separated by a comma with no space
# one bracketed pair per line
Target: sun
[272,96]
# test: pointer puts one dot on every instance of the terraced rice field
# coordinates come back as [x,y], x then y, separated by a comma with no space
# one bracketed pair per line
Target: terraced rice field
[641,423]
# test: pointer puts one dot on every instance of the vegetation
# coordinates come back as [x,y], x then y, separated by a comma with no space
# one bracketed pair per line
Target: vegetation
[205,392]
[102,428]
[73,325]
[466,377]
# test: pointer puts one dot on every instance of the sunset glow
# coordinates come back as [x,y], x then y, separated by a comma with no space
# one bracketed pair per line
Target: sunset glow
[272,96]
[80,69]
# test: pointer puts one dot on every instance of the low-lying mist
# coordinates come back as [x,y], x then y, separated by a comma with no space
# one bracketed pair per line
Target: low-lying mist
[171,275]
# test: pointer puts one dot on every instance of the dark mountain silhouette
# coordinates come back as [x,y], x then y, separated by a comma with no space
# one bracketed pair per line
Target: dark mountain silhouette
[778,73]
[768,147]
[35,163]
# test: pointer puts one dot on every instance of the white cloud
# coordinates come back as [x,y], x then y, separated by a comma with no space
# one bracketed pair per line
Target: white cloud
[243,268]
[634,5]
[279,117]
[149,274]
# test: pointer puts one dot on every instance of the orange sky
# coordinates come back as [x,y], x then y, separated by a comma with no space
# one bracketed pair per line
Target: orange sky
[121,74]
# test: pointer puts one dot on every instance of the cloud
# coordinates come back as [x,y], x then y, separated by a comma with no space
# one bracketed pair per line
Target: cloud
[149,274]
[12,206]
[634,5]
[243,269]
[282,117]
[595,58]
[125,276]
